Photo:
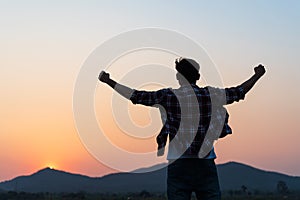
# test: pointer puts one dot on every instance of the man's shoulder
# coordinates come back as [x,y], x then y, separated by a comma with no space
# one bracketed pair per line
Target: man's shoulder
[189,87]
[165,90]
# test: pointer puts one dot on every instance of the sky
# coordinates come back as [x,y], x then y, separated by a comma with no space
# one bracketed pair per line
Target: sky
[44,44]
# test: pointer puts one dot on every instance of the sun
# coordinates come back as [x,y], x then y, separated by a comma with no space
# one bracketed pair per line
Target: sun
[51,166]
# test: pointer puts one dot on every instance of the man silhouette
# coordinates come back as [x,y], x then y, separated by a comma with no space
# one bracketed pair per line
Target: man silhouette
[191,113]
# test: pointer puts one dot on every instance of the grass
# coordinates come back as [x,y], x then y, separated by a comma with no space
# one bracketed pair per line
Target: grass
[144,195]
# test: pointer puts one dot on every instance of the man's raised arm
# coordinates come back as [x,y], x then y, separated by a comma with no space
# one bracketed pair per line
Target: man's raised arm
[259,72]
[121,89]
[234,94]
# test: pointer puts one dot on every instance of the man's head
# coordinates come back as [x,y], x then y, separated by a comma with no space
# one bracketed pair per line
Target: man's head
[187,68]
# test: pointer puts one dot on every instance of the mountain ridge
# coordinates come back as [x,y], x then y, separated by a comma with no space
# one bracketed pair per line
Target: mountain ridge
[232,176]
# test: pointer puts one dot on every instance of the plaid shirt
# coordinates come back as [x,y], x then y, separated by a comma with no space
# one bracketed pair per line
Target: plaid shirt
[187,114]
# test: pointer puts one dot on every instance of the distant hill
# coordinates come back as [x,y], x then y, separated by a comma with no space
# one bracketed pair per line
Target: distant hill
[47,180]
[55,181]
[232,176]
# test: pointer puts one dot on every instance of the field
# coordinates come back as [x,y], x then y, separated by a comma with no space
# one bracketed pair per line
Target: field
[144,195]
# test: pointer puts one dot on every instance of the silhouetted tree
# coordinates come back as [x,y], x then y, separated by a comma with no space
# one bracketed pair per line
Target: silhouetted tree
[282,188]
[145,194]
[244,189]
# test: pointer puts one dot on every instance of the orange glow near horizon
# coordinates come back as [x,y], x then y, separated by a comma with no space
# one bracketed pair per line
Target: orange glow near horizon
[51,166]
[52,140]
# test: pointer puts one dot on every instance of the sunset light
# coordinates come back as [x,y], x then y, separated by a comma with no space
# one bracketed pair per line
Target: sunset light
[51,167]
[44,46]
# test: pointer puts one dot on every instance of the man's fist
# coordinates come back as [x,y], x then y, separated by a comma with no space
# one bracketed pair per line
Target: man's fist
[260,70]
[104,77]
